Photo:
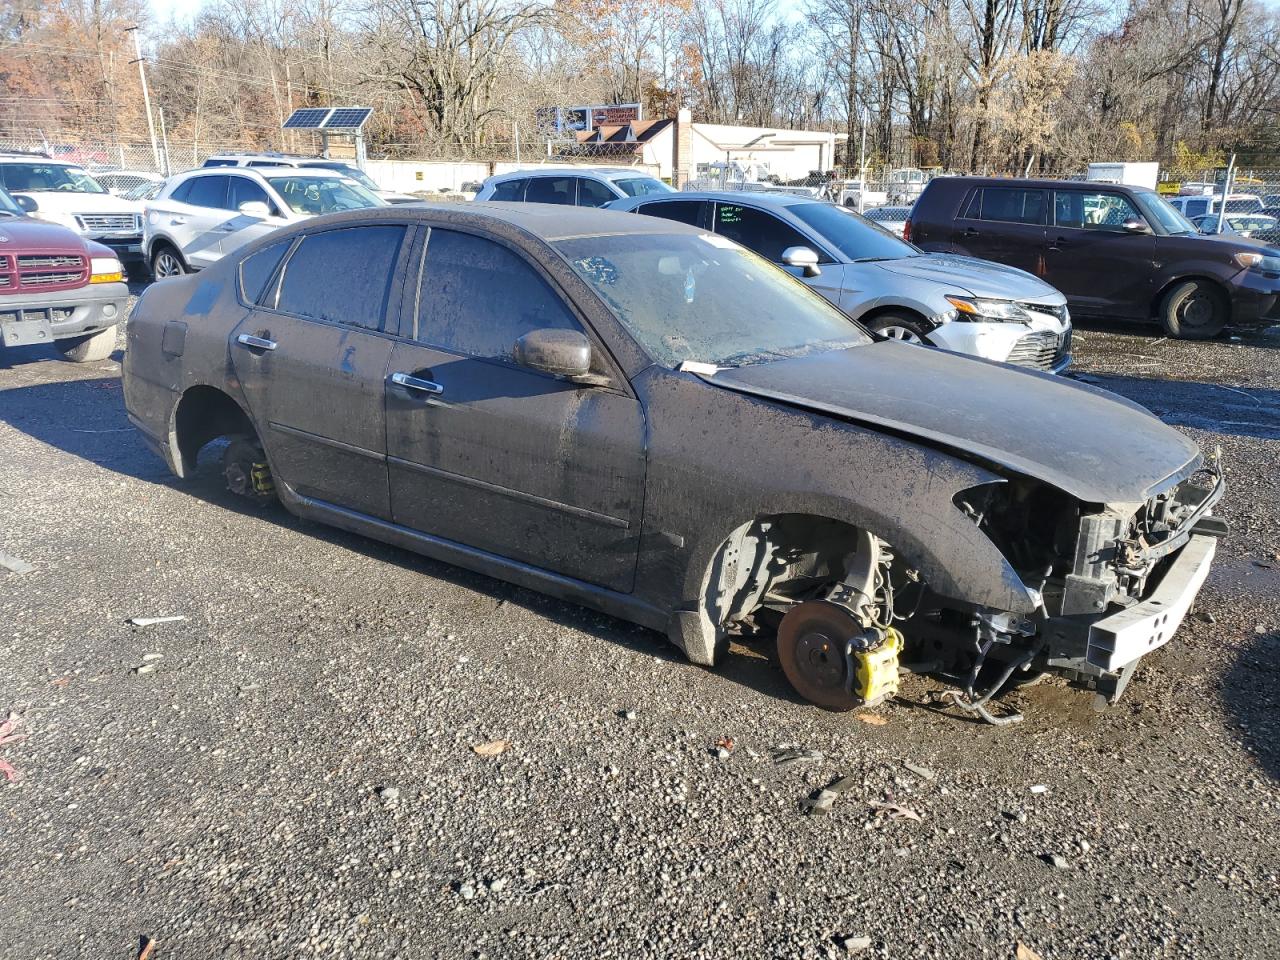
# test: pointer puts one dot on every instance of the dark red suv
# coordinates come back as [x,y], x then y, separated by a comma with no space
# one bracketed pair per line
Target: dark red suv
[1116,252]
[56,287]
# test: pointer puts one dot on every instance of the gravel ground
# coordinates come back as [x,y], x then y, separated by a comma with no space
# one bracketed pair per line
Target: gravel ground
[289,771]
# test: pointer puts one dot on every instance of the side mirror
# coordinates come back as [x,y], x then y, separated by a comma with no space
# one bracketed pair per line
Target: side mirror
[254,208]
[802,257]
[1134,225]
[561,353]
[27,204]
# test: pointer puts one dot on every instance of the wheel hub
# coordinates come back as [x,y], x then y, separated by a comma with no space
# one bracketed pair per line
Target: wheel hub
[1197,311]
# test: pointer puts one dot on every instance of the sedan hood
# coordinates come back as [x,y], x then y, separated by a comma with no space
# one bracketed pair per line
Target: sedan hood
[1093,445]
[977,278]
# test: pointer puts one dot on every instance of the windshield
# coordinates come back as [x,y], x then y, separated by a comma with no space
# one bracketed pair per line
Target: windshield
[356,174]
[315,195]
[642,186]
[1157,208]
[704,298]
[851,234]
[8,205]
[38,177]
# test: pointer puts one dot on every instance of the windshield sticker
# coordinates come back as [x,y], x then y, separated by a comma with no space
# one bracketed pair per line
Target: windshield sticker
[690,286]
[599,270]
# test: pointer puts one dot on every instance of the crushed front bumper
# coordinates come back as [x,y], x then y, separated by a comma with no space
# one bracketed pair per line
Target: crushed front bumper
[1122,638]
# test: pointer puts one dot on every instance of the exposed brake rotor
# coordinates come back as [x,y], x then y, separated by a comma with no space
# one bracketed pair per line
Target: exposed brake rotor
[812,638]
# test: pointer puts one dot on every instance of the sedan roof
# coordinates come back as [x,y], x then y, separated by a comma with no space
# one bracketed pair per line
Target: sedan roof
[762,198]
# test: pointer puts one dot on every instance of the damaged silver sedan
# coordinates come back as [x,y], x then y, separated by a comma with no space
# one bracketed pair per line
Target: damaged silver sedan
[638,416]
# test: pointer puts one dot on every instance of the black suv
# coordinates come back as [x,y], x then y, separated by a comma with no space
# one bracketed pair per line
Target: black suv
[1117,252]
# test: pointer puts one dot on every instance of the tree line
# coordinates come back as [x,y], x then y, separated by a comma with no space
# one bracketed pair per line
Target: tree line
[999,86]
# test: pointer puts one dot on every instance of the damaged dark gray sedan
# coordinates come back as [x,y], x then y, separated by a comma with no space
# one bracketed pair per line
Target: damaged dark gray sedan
[650,420]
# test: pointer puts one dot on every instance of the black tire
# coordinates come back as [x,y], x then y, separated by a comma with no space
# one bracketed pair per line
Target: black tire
[245,468]
[1194,310]
[900,326]
[167,262]
[94,346]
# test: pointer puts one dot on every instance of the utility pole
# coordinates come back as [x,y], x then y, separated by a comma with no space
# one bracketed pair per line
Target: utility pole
[146,95]
[164,138]
[1226,192]
[862,166]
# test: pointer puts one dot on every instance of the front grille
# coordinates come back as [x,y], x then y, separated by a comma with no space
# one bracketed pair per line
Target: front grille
[41,271]
[1058,312]
[47,278]
[1038,350]
[32,261]
[110,222]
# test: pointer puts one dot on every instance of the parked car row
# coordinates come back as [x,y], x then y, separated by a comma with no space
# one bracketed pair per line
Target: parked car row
[639,414]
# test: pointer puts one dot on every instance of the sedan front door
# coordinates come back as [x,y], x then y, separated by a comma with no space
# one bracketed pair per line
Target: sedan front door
[312,357]
[769,236]
[501,458]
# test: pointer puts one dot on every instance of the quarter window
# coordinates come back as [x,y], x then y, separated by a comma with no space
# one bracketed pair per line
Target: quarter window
[478,297]
[1007,205]
[757,230]
[1085,210]
[256,270]
[343,276]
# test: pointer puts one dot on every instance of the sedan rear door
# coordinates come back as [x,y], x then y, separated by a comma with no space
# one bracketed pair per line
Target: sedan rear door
[312,356]
[1004,224]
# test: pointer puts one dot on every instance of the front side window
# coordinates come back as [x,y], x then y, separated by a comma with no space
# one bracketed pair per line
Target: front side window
[757,230]
[591,193]
[343,276]
[1007,205]
[550,190]
[244,190]
[686,296]
[312,196]
[1093,210]
[478,297]
[37,177]
[852,235]
[207,192]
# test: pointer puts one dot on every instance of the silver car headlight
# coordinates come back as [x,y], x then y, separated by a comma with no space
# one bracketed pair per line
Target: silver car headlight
[979,310]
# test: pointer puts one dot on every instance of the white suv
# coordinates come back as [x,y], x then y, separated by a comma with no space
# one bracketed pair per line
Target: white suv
[202,215]
[574,186]
[315,163]
[65,193]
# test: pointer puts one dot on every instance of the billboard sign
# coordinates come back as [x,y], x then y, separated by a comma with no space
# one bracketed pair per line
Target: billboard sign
[578,119]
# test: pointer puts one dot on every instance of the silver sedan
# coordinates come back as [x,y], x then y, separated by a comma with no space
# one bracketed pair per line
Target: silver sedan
[963,304]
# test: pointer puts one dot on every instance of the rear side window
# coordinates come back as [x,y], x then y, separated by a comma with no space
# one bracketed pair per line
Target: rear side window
[757,230]
[207,192]
[219,163]
[1196,208]
[681,211]
[256,270]
[551,190]
[182,191]
[509,190]
[594,194]
[343,276]
[478,297]
[1006,205]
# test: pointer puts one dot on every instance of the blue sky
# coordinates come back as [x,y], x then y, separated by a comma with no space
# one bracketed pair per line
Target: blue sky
[181,10]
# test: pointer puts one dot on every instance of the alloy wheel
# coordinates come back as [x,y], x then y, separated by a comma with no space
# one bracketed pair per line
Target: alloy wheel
[167,265]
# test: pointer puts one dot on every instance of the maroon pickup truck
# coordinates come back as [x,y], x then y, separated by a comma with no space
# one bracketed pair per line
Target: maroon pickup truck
[56,287]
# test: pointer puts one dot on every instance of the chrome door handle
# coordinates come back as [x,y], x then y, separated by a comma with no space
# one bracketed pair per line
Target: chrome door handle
[255,343]
[416,383]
